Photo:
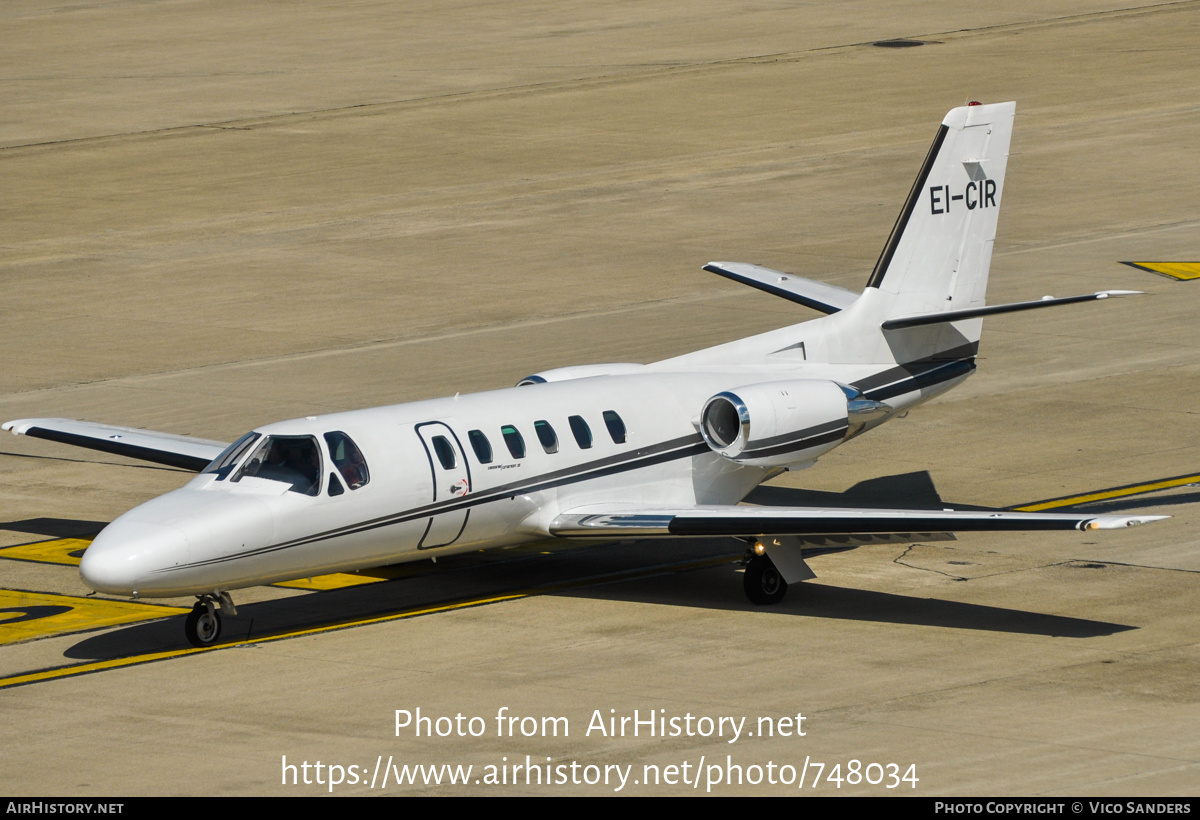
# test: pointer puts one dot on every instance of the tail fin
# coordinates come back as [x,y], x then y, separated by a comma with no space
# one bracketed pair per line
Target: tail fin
[938,254]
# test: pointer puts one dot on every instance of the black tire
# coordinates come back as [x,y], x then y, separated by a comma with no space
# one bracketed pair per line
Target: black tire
[763,583]
[202,628]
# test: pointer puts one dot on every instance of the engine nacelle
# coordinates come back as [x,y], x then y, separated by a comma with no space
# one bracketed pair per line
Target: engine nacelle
[776,424]
[582,371]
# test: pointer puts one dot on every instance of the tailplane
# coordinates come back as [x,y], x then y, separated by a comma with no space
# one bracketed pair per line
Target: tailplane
[925,300]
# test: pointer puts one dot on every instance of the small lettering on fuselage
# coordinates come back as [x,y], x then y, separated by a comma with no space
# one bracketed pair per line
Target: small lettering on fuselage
[981,194]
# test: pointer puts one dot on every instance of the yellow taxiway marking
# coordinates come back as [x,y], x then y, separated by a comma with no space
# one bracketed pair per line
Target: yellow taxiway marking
[1175,270]
[59,551]
[135,660]
[338,580]
[1115,492]
[97,666]
[28,615]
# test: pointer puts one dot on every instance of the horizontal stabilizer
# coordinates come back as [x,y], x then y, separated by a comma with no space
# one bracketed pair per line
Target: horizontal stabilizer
[748,521]
[808,292]
[185,452]
[990,310]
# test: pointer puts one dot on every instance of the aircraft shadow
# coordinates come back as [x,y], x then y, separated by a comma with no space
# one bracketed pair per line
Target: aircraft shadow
[55,527]
[812,599]
[913,490]
[632,571]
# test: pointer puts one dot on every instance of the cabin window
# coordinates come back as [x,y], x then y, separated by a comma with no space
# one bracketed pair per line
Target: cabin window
[294,460]
[223,464]
[481,446]
[348,460]
[546,436]
[445,452]
[581,431]
[516,444]
[616,427]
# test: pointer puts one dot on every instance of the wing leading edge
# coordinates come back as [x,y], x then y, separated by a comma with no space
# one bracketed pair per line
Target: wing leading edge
[762,521]
[185,452]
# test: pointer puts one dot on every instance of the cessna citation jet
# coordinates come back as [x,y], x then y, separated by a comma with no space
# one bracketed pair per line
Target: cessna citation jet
[598,451]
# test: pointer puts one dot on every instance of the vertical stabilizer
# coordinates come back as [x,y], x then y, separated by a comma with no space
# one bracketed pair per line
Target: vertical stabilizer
[938,254]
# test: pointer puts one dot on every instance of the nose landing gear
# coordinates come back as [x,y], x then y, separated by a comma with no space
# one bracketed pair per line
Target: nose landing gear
[203,625]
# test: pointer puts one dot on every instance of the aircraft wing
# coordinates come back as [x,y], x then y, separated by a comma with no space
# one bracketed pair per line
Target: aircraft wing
[748,521]
[185,452]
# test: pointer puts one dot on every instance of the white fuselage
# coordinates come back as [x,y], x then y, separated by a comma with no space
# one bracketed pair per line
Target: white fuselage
[217,533]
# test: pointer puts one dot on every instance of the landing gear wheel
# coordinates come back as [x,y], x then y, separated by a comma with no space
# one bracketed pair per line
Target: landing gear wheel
[763,583]
[203,626]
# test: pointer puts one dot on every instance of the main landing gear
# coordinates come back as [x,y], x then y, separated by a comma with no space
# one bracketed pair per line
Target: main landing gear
[763,583]
[203,625]
[767,576]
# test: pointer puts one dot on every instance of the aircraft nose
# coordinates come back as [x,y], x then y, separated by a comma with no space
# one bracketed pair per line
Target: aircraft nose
[124,557]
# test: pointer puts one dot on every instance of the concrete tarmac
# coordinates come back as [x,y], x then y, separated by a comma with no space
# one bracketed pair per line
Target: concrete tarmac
[218,215]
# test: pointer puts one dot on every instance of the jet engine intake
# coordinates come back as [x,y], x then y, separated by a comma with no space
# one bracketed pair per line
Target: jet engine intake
[776,424]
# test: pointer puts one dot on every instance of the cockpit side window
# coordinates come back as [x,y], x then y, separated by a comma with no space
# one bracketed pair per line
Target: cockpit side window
[223,464]
[348,459]
[294,460]
[335,486]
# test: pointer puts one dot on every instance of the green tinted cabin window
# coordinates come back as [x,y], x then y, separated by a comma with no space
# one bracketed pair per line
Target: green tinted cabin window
[516,444]
[546,436]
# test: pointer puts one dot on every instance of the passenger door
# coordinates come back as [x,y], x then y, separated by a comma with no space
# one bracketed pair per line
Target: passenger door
[451,482]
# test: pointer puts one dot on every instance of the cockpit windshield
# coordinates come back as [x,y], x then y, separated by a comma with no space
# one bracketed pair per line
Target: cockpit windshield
[224,463]
[294,460]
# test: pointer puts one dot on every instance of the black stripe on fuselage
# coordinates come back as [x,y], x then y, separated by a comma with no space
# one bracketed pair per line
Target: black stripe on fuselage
[683,447]
[893,241]
[904,378]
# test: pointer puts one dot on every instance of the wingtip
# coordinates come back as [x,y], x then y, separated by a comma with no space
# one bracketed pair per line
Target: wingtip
[1117,522]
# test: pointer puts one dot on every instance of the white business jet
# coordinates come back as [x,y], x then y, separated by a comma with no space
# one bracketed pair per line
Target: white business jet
[598,451]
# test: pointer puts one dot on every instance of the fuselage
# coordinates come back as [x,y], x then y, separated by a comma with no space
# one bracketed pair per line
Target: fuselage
[447,475]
